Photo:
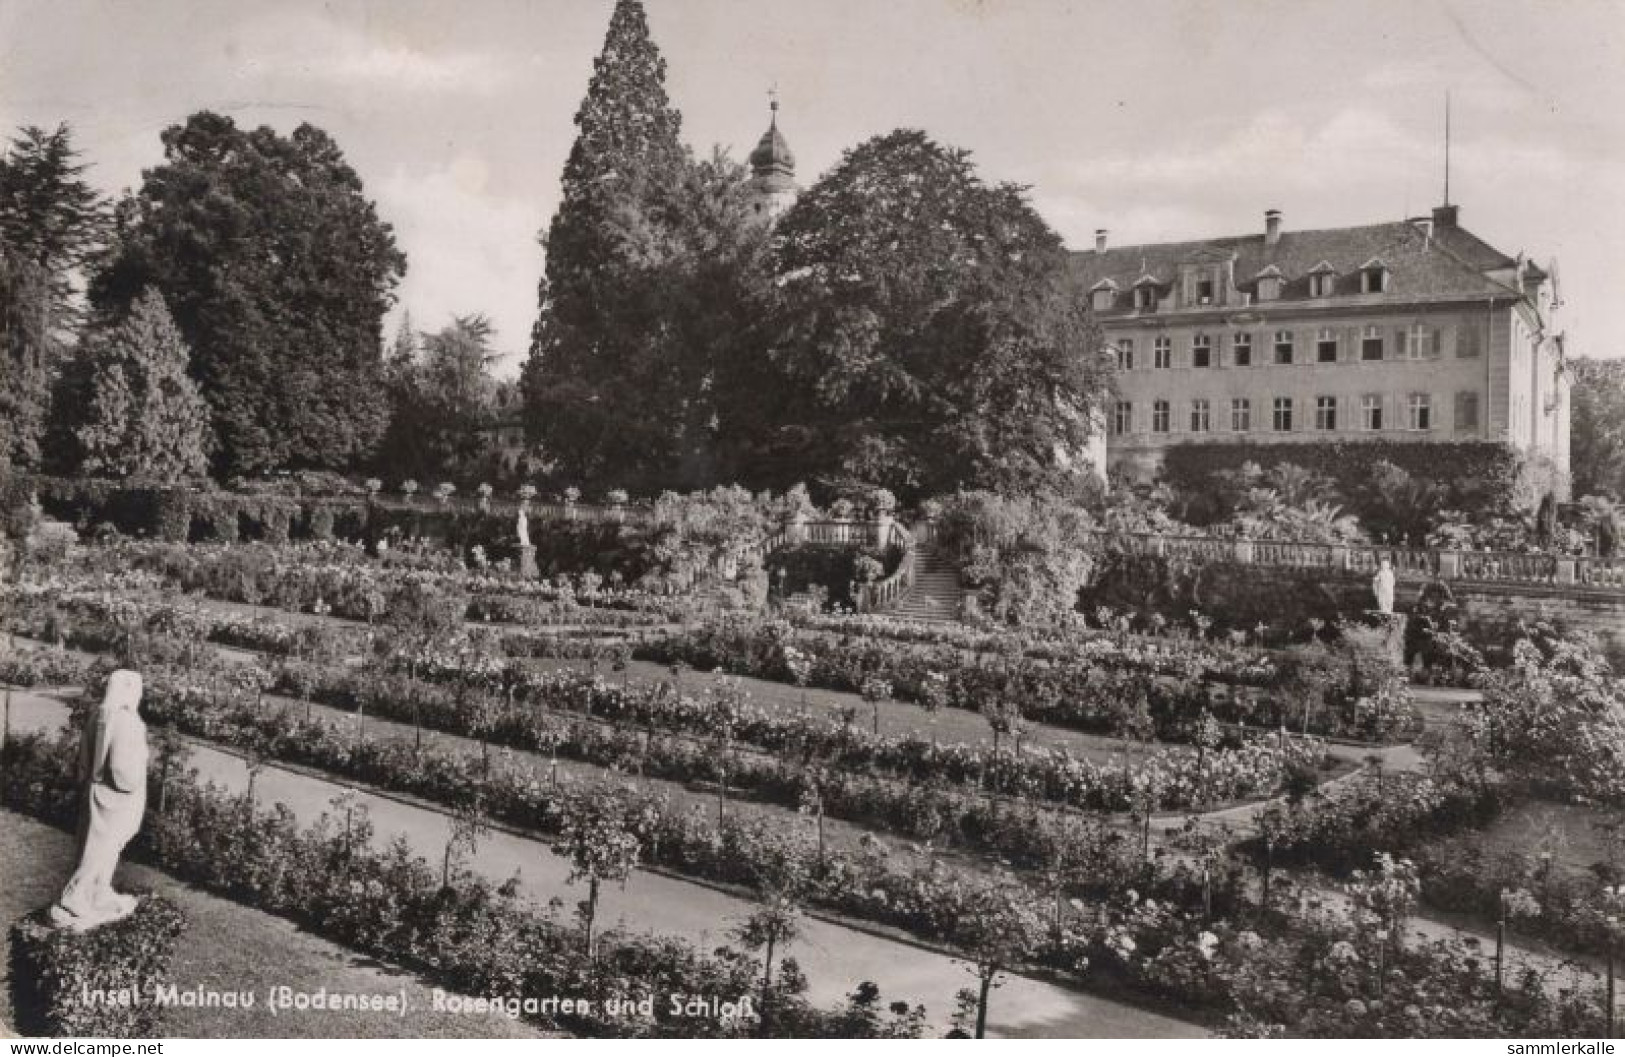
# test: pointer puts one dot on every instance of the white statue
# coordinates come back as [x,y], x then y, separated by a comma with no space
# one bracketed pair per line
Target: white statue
[524,530]
[113,770]
[1383,585]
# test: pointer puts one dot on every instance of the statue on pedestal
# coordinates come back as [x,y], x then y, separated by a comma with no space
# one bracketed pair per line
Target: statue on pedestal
[113,773]
[527,553]
[1383,585]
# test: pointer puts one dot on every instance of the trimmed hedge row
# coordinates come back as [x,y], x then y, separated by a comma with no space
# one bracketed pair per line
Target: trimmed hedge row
[52,970]
[180,514]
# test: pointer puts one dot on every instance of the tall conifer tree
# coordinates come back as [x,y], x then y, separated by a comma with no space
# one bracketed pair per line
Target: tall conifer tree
[593,349]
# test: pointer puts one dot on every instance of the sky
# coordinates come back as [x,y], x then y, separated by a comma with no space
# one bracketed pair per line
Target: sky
[1156,120]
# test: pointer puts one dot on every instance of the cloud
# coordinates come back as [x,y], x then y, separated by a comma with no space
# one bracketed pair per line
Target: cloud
[467,250]
[312,47]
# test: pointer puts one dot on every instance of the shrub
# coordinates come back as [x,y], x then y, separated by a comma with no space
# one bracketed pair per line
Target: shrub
[1029,556]
[53,968]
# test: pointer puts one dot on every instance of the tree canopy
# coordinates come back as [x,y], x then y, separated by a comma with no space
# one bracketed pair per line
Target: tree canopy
[927,329]
[611,381]
[442,394]
[144,417]
[278,272]
[25,344]
[49,215]
[1597,445]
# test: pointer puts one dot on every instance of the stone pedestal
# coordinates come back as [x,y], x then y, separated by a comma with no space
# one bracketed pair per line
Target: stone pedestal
[527,561]
[1379,633]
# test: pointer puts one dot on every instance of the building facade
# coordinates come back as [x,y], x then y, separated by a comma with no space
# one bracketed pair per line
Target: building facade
[1414,331]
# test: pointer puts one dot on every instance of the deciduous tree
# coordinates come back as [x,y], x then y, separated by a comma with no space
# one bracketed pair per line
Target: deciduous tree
[928,329]
[278,272]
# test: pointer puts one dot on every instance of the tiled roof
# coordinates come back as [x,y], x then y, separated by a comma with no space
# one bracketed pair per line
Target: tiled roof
[1450,264]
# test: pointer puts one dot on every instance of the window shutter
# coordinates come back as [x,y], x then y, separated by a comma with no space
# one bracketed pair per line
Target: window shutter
[1438,344]
[1402,349]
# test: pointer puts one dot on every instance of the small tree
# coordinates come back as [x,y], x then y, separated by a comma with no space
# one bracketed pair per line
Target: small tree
[601,847]
[876,690]
[145,416]
[469,826]
[997,932]
[772,927]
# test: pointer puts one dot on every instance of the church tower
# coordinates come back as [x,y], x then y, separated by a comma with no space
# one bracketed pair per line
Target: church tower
[772,183]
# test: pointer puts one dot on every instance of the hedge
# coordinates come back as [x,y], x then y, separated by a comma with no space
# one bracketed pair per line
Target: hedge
[53,968]
[181,514]
[1477,474]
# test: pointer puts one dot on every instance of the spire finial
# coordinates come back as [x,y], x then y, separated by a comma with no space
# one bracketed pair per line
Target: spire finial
[773,103]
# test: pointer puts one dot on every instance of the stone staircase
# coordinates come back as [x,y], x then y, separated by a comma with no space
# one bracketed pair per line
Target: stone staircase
[935,594]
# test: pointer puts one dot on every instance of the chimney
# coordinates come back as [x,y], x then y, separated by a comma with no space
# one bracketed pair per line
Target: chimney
[1272,226]
[1445,216]
[1100,240]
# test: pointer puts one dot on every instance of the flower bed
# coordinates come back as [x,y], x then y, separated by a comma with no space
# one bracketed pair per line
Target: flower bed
[1085,690]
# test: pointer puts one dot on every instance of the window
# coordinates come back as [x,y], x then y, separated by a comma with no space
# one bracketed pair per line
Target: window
[1201,351]
[1241,350]
[1123,417]
[1204,291]
[1241,415]
[1321,284]
[1125,354]
[1201,416]
[1466,410]
[1283,414]
[1159,416]
[1145,297]
[1421,411]
[1162,354]
[1103,297]
[1326,412]
[1421,342]
[1283,346]
[1371,343]
[1326,346]
[1467,342]
[1371,412]
[1374,280]
[1269,287]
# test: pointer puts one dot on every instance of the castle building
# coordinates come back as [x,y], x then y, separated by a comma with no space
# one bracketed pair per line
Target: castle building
[772,184]
[1413,331]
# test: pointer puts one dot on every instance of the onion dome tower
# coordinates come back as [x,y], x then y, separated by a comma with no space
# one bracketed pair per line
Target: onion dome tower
[773,169]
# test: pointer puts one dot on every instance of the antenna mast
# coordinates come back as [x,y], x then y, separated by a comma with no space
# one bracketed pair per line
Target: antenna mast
[1447,147]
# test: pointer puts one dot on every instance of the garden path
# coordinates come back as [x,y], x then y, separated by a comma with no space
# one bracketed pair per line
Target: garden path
[835,957]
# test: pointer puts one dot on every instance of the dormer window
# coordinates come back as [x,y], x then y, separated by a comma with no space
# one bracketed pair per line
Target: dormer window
[1374,277]
[1322,280]
[1269,284]
[1204,291]
[1103,295]
[1145,293]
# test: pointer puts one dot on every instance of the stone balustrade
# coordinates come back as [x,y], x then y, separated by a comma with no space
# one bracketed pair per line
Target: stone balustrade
[1479,566]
